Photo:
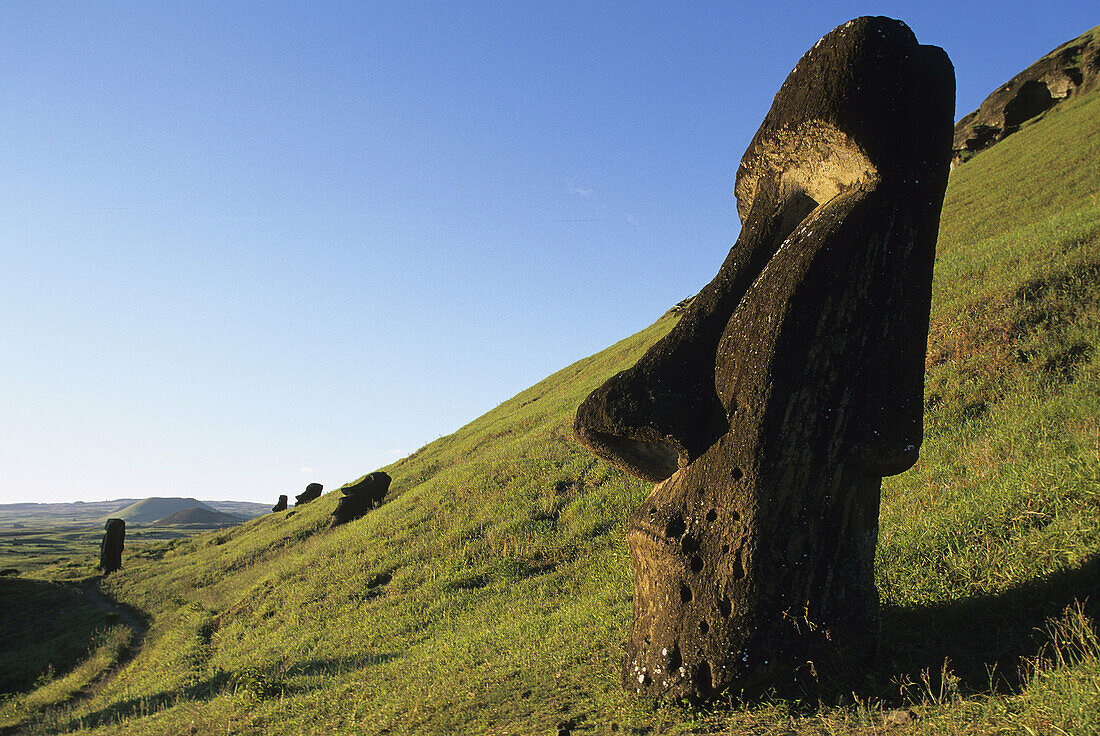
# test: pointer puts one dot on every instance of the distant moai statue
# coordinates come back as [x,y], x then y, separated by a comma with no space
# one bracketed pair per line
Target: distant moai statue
[362,497]
[792,383]
[281,505]
[110,549]
[312,491]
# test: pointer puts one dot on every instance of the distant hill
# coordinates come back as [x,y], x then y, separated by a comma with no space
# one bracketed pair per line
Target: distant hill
[85,513]
[150,510]
[197,515]
[79,513]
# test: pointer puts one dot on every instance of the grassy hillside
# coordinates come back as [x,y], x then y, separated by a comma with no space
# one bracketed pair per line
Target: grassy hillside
[491,593]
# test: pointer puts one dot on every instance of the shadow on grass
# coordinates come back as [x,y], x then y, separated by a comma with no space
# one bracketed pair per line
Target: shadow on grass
[985,639]
[253,682]
[981,644]
[46,629]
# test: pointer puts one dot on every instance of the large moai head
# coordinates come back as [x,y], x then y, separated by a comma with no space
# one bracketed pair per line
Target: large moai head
[312,491]
[793,381]
[361,497]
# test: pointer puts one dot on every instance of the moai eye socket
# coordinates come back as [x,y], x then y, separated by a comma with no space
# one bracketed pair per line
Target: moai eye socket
[793,381]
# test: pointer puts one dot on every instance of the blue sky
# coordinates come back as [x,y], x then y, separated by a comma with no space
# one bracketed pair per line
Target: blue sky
[247,246]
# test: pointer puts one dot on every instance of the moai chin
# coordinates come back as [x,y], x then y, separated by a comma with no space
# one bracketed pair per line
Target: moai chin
[793,382]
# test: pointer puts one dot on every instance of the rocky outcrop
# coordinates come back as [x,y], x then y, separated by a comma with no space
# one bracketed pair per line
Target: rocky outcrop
[792,383]
[312,491]
[110,549]
[361,497]
[1071,69]
[281,505]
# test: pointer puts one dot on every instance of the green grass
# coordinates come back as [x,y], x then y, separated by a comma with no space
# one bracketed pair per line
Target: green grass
[492,592]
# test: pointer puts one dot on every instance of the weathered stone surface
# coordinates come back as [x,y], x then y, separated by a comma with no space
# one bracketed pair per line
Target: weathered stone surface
[792,383]
[312,491]
[281,505]
[1071,69]
[110,549]
[362,497]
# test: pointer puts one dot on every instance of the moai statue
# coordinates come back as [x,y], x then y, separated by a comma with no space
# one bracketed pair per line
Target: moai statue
[281,505]
[793,382]
[312,491]
[362,497]
[110,549]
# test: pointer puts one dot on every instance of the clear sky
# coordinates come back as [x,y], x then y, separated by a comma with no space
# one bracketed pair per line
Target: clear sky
[247,246]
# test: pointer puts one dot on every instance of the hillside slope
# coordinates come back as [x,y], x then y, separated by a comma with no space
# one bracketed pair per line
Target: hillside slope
[492,591]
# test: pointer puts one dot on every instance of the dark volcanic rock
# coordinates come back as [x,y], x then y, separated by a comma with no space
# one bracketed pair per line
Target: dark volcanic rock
[312,491]
[1071,69]
[360,498]
[110,549]
[281,505]
[792,383]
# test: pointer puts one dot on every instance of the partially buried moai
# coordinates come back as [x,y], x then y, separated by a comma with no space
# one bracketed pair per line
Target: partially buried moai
[312,492]
[792,383]
[110,549]
[361,497]
[280,505]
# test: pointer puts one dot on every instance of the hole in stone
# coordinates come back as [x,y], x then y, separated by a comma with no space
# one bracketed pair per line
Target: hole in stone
[734,516]
[652,510]
[689,543]
[674,659]
[737,571]
[702,678]
[737,474]
[712,515]
[725,549]
[725,607]
[696,564]
[685,594]
[704,627]
[646,680]
[675,528]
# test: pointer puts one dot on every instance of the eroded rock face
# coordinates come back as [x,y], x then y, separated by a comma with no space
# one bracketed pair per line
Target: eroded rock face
[362,497]
[312,491]
[110,549]
[281,505]
[1071,69]
[792,383]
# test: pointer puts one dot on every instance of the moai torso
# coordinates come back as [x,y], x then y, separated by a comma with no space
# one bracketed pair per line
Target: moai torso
[110,549]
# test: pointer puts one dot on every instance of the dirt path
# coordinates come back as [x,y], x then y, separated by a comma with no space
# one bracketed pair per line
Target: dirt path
[91,591]
[129,617]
